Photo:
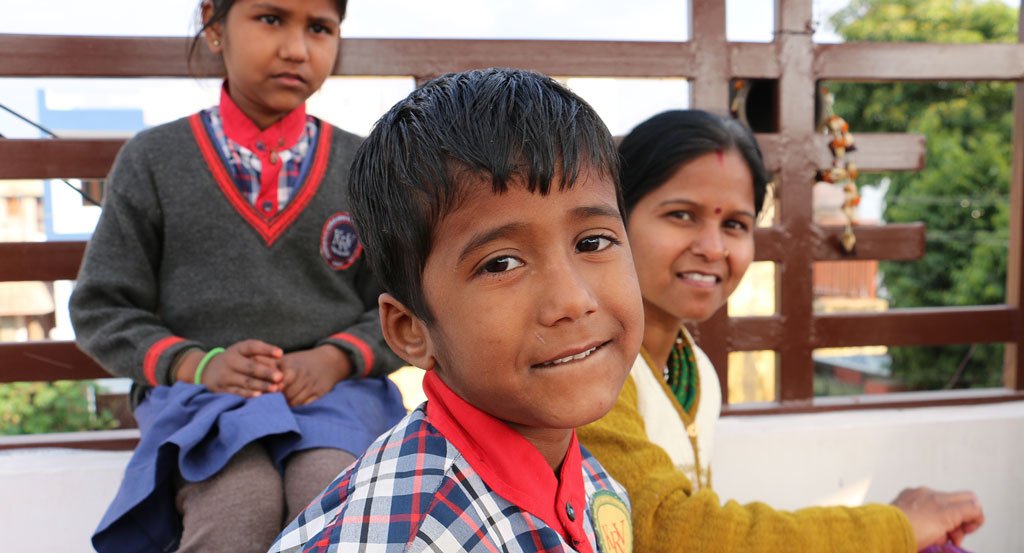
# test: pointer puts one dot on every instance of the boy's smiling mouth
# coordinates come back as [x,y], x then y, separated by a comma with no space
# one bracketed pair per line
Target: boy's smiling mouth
[579,355]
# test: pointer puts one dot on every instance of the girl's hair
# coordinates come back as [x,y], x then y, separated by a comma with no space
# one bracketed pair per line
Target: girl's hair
[659,146]
[220,12]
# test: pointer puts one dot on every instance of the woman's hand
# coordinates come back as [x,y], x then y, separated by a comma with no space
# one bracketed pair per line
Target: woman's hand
[311,373]
[938,517]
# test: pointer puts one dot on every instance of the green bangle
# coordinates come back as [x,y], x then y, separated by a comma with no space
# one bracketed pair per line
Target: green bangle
[205,360]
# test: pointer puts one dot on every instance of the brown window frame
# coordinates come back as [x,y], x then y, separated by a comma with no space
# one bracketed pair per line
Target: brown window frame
[710,62]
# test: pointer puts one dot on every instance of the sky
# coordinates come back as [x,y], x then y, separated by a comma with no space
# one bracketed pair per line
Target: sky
[355,103]
[591,19]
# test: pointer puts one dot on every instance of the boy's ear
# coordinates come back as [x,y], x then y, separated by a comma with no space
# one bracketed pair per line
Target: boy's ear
[213,34]
[405,333]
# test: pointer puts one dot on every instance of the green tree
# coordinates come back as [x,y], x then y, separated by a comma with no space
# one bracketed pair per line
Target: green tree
[962,193]
[40,407]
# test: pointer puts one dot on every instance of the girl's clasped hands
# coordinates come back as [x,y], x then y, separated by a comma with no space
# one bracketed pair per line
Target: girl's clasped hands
[251,368]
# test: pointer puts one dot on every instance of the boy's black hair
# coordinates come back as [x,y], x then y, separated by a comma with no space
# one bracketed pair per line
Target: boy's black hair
[220,12]
[490,127]
[653,151]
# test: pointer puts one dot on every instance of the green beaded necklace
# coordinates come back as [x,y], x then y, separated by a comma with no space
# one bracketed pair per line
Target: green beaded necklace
[681,372]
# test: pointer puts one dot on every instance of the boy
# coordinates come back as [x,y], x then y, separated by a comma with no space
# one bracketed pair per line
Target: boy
[489,208]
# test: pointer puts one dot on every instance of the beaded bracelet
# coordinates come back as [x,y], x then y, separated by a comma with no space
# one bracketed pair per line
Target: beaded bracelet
[205,360]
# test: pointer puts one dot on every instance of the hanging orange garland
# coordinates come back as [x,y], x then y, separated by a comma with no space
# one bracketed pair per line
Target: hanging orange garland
[843,173]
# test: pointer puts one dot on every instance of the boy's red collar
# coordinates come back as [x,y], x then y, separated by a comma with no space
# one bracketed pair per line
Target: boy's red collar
[282,135]
[510,465]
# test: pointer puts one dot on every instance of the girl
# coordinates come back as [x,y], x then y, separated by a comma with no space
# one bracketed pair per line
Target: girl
[226,279]
[693,184]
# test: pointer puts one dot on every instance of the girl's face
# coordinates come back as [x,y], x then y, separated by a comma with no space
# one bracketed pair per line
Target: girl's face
[277,52]
[693,238]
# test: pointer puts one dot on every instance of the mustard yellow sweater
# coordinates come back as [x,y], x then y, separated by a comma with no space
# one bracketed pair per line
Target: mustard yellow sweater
[668,517]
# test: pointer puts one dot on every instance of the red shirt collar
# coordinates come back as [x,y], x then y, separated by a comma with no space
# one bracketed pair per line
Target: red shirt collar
[282,135]
[510,465]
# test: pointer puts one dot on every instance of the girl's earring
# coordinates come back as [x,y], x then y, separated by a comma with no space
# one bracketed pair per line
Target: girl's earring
[216,43]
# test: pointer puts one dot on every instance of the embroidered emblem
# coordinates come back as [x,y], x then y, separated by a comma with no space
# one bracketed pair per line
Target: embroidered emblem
[612,523]
[339,244]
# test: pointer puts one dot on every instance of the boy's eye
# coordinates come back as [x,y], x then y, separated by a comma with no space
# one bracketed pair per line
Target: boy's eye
[595,243]
[270,19]
[320,29]
[501,264]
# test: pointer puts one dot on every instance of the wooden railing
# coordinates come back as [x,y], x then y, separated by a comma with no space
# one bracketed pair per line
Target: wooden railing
[794,153]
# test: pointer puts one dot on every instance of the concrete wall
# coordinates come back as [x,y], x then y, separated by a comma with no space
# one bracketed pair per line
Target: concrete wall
[852,458]
[52,499]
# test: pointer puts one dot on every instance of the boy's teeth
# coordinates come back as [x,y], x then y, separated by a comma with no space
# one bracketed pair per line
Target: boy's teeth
[576,357]
[700,278]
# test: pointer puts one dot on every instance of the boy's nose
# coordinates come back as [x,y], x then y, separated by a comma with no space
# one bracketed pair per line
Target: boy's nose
[566,296]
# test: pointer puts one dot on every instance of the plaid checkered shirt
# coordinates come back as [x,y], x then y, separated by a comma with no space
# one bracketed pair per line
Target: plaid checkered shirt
[416,490]
[268,166]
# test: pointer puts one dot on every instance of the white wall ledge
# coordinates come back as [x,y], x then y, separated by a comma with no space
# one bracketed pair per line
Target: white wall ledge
[788,461]
[863,456]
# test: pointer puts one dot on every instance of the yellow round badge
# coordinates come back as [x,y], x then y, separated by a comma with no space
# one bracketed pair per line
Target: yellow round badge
[612,523]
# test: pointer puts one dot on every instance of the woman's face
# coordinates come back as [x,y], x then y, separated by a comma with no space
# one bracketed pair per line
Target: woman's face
[693,238]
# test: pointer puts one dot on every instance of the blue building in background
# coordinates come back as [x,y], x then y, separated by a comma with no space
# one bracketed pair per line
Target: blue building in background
[66,215]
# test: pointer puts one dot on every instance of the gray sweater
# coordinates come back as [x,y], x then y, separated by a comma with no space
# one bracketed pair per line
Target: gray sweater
[178,261]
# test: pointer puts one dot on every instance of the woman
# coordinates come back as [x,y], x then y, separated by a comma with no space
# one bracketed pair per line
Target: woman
[693,184]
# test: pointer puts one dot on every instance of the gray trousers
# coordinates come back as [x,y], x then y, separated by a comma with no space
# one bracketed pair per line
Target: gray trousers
[244,506]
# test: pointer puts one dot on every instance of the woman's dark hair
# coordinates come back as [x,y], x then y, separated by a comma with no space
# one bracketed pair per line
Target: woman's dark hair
[220,12]
[653,151]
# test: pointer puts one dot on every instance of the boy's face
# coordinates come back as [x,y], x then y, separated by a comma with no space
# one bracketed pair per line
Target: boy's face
[538,313]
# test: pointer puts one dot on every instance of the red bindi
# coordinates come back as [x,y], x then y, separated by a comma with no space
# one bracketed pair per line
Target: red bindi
[718,210]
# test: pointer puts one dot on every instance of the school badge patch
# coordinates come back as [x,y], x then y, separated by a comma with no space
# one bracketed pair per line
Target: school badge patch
[339,243]
[612,523]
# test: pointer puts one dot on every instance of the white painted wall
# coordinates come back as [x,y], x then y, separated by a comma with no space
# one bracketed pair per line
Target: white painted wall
[851,458]
[52,499]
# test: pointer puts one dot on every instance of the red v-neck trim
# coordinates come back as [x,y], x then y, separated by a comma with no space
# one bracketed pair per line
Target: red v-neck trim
[269,228]
[510,465]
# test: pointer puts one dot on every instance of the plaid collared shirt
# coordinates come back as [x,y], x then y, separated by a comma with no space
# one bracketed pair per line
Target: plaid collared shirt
[245,165]
[414,491]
